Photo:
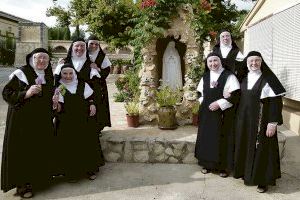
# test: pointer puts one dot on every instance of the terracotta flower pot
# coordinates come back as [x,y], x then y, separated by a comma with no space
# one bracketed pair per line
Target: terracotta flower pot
[117,69]
[195,119]
[132,120]
[111,69]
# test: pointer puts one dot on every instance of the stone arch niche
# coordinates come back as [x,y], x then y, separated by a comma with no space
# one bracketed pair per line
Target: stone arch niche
[181,32]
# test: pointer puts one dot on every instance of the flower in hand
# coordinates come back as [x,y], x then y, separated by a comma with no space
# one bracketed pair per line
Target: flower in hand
[61,89]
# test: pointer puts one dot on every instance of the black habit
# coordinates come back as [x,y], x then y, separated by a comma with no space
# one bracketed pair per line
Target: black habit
[256,155]
[230,61]
[100,88]
[27,146]
[78,147]
[214,148]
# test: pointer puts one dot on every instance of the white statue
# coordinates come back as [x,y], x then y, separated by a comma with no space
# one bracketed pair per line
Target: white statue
[171,71]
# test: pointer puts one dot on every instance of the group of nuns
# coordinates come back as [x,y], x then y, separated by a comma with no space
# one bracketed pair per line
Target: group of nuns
[241,105]
[53,120]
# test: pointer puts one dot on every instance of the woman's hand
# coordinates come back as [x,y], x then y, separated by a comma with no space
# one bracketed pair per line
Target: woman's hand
[92,110]
[214,106]
[271,129]
[94,65]
[56,105]
[34,89]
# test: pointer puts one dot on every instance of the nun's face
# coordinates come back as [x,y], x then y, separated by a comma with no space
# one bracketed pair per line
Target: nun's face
[213,63]
[79,48]
[225,38]
[254,63]
[67,75]
[93,45]
[41,60]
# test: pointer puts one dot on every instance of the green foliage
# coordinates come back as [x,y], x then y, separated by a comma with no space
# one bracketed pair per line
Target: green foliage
[80,34]
[195,107]
[59,33]
[195,72]
[150,23]
[7,50]
[122,22]
[121,96]
[219,15]
[63,15]
[128,86]
[111,21]
[120,62]
[132,108]
[166,96]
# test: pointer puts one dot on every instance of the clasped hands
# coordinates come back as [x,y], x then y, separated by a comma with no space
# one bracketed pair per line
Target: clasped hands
[94,66]
[271,129]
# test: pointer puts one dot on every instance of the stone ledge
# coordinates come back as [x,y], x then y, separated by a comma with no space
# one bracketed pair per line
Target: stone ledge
[291,119]
[148,144]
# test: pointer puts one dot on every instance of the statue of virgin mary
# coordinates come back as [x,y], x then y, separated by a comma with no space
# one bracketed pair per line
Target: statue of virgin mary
[171,70]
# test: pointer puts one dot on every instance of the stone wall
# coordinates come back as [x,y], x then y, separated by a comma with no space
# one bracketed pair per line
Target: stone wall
[32,35]
[147,148]
[180,29]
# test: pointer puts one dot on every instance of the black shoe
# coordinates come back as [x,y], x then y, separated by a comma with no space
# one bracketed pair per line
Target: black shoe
[223,174]
[262,188]
[91,176]
[205,171]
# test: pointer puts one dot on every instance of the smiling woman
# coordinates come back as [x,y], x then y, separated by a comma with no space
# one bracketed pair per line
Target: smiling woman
[26,157]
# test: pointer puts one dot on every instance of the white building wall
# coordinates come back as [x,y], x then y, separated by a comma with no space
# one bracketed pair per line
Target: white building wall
[278,39]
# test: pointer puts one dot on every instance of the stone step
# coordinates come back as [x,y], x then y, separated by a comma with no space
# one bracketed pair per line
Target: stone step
[148,144]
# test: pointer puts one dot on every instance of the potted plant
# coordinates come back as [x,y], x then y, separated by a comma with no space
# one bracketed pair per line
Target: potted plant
[132,115]
[195,113]
[166,99]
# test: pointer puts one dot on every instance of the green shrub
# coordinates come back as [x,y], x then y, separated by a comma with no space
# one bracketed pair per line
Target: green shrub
[195,107]
[121,97]
[195,72]
[132,108]
[166,96]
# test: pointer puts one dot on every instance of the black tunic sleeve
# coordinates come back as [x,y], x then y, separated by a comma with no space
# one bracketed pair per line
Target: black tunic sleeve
[104,73]
[275,109]
[14,92]
[234,97]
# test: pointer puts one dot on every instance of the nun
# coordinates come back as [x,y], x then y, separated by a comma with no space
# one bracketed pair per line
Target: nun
[219,89]
[29,129]
[78,149]
[101,63]
[258,115]
[78,57]
[229,53]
